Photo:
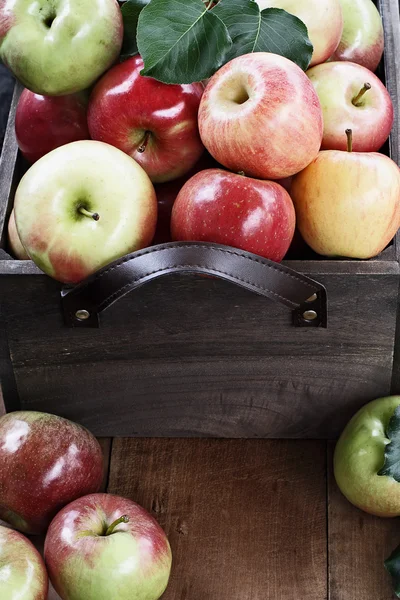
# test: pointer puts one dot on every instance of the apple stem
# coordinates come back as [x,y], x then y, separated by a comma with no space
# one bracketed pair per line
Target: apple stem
[356,99]
[123,519]
[145,141]
[242,173]
[94,216]
[349,133]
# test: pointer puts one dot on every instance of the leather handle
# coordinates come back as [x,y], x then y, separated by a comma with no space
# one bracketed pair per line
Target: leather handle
[83,304]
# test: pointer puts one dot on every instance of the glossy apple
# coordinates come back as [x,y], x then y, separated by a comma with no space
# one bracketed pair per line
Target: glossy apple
[167,193]
[23,575]
[359,456]
[155,123]
[81,206]
[57,48]
[226,208]
[348,203]
[352,98]
[45,462]
[16,247]
[43,123]
[103,546]
[362,40]
[323,19]
[261,115]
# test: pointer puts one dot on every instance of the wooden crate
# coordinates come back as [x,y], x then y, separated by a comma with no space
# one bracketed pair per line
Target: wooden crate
[197,356]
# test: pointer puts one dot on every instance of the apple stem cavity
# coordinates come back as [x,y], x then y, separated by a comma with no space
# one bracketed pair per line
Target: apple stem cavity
[349,133]
[356,99]
[95,216]
[123,519]
[145,141]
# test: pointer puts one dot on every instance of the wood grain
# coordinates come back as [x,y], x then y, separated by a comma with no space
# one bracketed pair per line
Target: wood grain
[246,519]
[358,545]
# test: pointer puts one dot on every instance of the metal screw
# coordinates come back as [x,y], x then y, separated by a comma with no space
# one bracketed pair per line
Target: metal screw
[82,314]
[312,298]
[310,315]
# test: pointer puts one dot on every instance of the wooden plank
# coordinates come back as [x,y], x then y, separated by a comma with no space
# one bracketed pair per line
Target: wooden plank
[246,519]
[358,544]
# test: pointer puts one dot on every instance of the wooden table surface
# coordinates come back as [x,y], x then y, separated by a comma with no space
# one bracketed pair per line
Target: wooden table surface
[254,519]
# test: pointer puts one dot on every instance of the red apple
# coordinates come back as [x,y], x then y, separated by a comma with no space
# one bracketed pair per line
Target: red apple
[261,115]
[43,123]
[102,547]
[23,575]
[45,462]
[16,247]
[155,123]
[226,208]
[166,195]
[352,98]
[348,203]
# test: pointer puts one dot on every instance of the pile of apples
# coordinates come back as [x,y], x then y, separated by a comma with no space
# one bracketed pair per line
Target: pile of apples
[98,546]
[122,161]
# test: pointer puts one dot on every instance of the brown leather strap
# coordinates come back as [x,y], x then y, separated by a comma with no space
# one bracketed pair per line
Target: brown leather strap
[83,303]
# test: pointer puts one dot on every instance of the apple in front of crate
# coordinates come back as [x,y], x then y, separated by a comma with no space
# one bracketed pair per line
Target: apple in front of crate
[43,123]
[365,476]
[348,203]
[103,546]
[45,463]
[226,208]
[15,244]
[82,206]
[352,97]
[362,40]
[261,115]
[23,575]
[323,19]
[155,123]
[58,48]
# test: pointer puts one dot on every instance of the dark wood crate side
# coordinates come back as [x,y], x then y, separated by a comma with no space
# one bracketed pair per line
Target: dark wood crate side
[199,357]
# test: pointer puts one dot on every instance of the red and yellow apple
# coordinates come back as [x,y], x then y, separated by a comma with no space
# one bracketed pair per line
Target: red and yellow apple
[15,244]
[261,115]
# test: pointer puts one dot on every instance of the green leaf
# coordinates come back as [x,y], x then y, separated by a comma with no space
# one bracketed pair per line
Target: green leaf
[130,15]
[391,467]
[181,41]
[271,30]
[392,565]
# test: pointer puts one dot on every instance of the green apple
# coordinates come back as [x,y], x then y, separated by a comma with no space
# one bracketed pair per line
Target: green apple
[362,40]
[22,572]
[82,206]
[360,456]
[323,19]
[57,47]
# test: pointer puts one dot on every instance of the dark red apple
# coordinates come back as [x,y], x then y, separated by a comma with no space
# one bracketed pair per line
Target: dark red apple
[43,123]
[155,123]
[231,209]
[45,463]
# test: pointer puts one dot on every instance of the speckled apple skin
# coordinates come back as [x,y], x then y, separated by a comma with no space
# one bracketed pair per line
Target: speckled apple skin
[23,575]
[133,563]
[45,463]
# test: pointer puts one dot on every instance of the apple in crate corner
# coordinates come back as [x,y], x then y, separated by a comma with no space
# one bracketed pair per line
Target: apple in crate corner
[226,208]
[58,48]
[155,123]
[23,575]
[82,206]
[43,123]
[352,97]
[366,458]
[363,37]
[261,115]
[15,244]
[348,203]
[103,546]
[323,19]
[45,462]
